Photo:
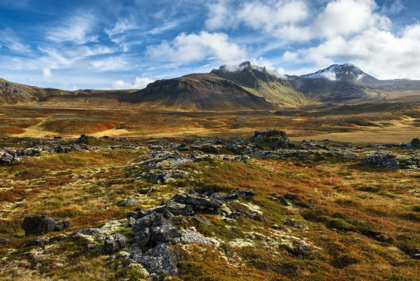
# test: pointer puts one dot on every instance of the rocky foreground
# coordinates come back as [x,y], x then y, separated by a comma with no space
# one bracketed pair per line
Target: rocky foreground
[175,214]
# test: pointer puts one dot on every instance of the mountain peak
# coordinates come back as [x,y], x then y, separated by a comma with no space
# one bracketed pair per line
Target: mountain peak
[342,72]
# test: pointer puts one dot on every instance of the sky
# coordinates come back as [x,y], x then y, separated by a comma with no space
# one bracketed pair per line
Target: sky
[110,44]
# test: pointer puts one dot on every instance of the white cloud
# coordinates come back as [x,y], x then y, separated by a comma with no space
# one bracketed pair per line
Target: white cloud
[77,29]
[187,48]
[346,17]
[220,16]
[110,64]
[9,39]
[278,18]
[396,7]
[121,26]
[46,72]
[268,16]
[140,83]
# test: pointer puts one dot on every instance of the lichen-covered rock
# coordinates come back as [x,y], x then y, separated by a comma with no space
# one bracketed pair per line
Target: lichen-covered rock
[191,236]
[179,209]
[160,260]
[276,139]
[380,159]
[130,201]
[164,233]
[114,242]
[146,221]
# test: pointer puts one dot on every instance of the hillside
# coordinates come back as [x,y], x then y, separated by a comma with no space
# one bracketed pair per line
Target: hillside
[12,93]
[197,92]
[263,83]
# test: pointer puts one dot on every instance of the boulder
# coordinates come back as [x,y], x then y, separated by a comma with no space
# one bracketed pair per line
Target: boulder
[159,260]
[380,159]
[130,201]
[234,195]
[198,201]
[179,209]
[136,214]
[415,143]
[114,242]
[8,158]
[146,221]
[41,224]
[164,233]
[276,139]
[142,237]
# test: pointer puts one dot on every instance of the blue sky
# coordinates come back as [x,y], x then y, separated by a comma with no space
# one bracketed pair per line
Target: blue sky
[104,44]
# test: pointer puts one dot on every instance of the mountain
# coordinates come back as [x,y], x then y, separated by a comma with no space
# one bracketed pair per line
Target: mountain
[344,73]
[197,92]
[229,88]
[347,83]
[262,82]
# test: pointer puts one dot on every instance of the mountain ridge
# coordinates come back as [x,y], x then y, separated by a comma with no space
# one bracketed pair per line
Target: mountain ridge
[232,88]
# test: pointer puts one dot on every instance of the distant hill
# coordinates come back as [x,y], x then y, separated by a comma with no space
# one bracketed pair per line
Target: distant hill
[197,92]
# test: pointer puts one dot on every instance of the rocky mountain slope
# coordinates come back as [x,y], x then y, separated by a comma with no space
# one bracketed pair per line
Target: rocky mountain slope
[198,92]
[263,82]
[11,93]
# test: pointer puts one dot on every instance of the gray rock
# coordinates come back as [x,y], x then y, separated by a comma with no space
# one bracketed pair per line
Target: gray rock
[146,221]
[234,195]
[415,143]
[352,156]
[164,233]
[114,242]
[200,219]
[86,231]
[130,201]
[41,224]
[179,209]
[142,237]
[381,159]
[160,260]
[191,236]
[136,214]
[276,139]
[197,201]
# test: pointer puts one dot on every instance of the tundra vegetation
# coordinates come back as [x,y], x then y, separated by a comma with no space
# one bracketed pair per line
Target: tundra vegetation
[255,207]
